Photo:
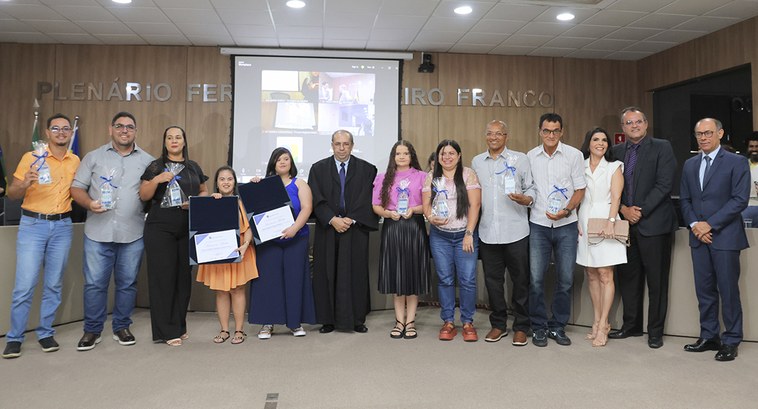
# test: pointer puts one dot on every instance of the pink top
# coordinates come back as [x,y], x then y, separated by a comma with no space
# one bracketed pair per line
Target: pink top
[416,179]
[471,181]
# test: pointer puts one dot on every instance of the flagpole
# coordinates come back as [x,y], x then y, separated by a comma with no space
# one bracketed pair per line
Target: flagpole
[73,137]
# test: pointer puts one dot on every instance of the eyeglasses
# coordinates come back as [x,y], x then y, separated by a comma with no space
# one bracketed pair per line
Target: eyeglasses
[498,134]
[547,132]
[120,127]
[57,129]
[704,134]
[637,122]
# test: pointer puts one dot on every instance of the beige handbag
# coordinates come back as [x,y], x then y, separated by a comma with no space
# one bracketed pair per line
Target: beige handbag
[596,225]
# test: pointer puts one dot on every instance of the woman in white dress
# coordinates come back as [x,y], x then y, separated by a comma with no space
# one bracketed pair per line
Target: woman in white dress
[605,181]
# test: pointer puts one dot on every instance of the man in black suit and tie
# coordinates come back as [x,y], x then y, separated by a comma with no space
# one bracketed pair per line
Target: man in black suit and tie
[342,186]
[649,167]
[714,191]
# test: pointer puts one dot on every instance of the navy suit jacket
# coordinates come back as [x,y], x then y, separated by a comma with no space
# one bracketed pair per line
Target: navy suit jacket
[725,193]
[653,181]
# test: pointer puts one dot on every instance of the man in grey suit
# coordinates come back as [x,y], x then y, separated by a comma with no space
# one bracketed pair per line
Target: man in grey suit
[649,167]
[714,191]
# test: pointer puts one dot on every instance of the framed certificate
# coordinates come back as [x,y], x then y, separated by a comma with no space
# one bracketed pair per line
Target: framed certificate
[268,207]
[214,230]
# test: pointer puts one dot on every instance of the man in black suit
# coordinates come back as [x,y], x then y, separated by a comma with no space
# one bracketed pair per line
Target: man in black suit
[715,189]
[342,186]
[649,167]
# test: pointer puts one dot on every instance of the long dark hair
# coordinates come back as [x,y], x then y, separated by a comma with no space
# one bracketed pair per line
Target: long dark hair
[164,151]
[215,179]
[460,185]
[389,177]
[588,137]
[271,167]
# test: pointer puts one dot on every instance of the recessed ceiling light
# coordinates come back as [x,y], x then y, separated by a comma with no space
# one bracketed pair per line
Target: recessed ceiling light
[296,4]
[122,1]
[565,17]
[463,10]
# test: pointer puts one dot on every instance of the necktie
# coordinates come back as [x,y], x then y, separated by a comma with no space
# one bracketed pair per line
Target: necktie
[342,188]
[630,162]
[707,168]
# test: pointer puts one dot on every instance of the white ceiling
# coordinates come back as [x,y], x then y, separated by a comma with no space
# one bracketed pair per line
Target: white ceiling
[610,29]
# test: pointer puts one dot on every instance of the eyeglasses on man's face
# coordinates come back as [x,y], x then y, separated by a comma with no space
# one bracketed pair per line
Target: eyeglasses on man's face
[124,127]
[547,132]
[58,129]
[704,134]
[637,122]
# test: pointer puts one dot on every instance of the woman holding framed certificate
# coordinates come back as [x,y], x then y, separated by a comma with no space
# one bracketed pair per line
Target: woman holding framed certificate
[404,265]
[283,293]
[166,184]
[229,279]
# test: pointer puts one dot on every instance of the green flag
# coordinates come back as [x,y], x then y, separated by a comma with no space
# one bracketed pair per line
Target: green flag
[35,132]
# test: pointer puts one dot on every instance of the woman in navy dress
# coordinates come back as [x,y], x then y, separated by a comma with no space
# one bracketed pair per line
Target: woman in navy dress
[283,293]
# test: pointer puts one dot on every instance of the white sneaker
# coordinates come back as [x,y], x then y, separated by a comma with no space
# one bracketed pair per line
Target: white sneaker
[265,332]
[298,332]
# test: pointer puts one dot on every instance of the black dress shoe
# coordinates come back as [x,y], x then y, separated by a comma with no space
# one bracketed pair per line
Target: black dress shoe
[622,333]
[655,342]
[124,337]
[727,353]
[702,345]
[361,328]
[327,328]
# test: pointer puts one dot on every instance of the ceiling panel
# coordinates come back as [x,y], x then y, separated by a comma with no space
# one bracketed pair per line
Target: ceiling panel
[623,29]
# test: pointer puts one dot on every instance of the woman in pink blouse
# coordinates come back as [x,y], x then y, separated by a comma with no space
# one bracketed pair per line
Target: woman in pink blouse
[453,239]
[404,264]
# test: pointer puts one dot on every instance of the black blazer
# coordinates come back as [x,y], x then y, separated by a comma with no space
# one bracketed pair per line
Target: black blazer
[653,181]
[359,184]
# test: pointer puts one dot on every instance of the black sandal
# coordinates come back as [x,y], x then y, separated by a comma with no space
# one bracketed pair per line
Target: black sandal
[410,332]
[222,336]
[398,331]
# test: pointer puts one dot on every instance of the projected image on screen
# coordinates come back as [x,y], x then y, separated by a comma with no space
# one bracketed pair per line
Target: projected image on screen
[292,100]
[298,103]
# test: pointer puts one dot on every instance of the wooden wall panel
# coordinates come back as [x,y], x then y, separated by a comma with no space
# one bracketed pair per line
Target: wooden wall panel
[144,65]
[21,66]
[419,125]
[210,122]
[591,93]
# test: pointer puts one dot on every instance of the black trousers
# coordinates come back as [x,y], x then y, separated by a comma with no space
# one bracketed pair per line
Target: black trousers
[169,275]
[648,257]
[514,257]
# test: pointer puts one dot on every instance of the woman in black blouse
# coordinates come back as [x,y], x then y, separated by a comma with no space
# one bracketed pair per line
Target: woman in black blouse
[167,238]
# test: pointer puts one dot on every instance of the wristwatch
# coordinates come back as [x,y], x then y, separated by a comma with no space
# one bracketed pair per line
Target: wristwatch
[468,233]
[612,219]
[568,211]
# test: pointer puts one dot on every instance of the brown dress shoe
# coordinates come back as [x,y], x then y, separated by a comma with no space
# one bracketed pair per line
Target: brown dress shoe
[448,331]
[469,333]
[519,339]
[495,335]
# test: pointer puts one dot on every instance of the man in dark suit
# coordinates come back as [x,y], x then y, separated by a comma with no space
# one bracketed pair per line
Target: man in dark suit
[649,167]
[342,186]
[714,191]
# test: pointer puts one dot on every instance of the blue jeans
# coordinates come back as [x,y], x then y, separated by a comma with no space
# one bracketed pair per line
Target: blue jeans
[100,259]
[450,261]
[751,212]
[39,241]
[560,242]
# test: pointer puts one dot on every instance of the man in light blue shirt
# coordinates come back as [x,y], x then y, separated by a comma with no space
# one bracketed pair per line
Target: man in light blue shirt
[507,192]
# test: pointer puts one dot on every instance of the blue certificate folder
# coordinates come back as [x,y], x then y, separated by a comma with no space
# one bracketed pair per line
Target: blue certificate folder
[266,195]
[209,215]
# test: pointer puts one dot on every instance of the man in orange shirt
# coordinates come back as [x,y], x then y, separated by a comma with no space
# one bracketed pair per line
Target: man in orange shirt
[44,233]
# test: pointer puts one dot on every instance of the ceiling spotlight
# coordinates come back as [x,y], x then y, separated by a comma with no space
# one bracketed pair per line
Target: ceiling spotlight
[296,4]
[122,1]
[565,17]
[463,10]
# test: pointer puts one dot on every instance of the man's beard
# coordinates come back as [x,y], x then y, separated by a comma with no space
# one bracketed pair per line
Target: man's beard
[754,157]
